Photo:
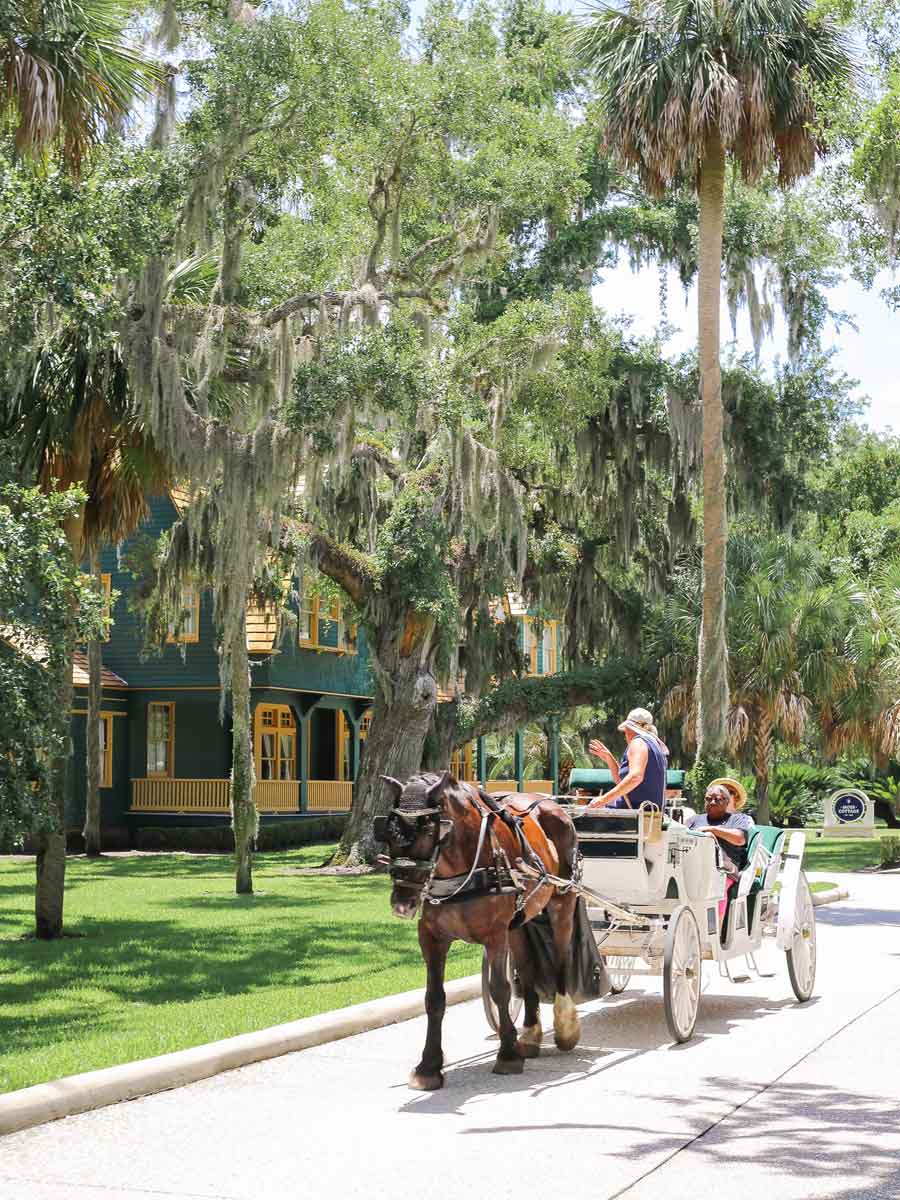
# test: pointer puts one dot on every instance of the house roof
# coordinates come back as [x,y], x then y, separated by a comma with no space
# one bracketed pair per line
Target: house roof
[36,650]
[81,673]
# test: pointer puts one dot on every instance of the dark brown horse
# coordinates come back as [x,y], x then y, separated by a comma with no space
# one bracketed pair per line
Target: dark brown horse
[449,855]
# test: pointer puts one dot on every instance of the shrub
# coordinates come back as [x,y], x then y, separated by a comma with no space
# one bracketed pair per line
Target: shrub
[797,791]
[281,835]
[890,851]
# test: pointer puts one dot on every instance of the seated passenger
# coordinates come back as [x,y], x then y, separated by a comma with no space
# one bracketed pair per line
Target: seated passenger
[640,778]
[724,821]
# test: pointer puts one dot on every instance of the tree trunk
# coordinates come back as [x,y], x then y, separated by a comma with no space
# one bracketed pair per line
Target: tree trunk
[441,740]
[762,767]
[244,817]
[405,698]
[50,842]
[713,652]
[92,733]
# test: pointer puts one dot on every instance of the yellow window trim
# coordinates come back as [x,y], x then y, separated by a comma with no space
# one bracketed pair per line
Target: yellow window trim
[169,772]
[278,729]
[106,764]
[345,634]
[188,639]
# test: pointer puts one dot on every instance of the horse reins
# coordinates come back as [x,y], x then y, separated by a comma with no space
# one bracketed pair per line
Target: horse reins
[418,874]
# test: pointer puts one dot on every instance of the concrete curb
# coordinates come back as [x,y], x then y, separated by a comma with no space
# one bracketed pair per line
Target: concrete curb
[95,1089]
[819,898]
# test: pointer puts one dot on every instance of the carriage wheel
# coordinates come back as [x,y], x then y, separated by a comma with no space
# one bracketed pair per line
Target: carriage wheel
[490,1008]
[801,957]
[681,973]
[620,974]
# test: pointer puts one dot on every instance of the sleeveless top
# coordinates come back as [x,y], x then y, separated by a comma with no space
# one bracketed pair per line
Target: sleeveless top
[652,788]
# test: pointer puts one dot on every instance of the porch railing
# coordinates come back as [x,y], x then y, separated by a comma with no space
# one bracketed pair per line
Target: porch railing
[329,795]
[210,795]
[529,785]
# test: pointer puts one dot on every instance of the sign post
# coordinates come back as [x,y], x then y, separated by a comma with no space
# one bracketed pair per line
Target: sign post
[849,813]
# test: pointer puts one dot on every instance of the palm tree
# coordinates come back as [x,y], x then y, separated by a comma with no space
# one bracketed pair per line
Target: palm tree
[68,75]
[686,86]
[787,626]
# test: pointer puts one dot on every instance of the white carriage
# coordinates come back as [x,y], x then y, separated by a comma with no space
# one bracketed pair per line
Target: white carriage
[654,889]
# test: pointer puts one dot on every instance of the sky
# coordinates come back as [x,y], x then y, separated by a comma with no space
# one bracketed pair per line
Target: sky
[871,354]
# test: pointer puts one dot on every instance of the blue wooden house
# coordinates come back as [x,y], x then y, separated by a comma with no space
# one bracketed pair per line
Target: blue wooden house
[166,755]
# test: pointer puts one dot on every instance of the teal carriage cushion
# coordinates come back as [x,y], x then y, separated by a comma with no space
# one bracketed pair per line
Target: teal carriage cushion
[599,779]
[770,836]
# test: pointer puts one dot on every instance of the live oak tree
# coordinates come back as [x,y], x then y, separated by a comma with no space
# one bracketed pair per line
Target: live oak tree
[685,85]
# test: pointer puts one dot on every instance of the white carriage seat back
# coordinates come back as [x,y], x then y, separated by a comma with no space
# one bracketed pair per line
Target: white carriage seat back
[624,853]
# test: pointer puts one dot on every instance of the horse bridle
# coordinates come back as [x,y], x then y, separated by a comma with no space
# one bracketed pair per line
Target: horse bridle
[402,828]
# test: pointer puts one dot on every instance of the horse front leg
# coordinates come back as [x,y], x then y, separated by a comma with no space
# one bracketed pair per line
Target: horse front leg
[529,1043]
[428,1076]
[509,1058]
[566,1025]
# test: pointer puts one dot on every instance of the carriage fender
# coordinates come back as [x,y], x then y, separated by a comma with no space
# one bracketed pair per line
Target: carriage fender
[790,879]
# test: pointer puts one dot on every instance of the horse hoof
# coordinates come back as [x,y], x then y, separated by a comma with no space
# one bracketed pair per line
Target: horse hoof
[528,1049]
[426,1083]
[509,1066]
[567,1043]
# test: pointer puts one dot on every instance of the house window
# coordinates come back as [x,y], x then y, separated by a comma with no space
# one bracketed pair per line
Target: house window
[322,626]
[462,762]
[540,652]
[190,617]
[276,742]
[106,742]
[106,589]
[160,739]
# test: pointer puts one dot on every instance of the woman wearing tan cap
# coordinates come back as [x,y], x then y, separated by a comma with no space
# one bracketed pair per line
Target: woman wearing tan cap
[640,778]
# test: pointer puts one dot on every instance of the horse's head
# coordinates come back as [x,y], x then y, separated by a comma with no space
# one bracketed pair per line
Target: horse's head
[414,831]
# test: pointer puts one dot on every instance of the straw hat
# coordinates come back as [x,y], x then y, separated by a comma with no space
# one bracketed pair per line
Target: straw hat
[735,788]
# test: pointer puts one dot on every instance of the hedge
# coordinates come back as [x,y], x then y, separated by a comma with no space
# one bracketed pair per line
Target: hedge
[283,835]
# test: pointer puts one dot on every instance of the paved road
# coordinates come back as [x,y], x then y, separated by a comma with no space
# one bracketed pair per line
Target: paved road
[771,1100]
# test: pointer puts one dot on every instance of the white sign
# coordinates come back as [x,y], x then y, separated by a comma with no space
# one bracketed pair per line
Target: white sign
[849,813]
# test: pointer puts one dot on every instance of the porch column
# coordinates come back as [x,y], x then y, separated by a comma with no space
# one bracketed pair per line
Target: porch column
[355,723]
[302,708]
[303,752]
[554,755]
[480,761]
[519,759]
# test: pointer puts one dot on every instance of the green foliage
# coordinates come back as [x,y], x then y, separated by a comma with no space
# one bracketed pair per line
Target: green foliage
[797,792]
[71,76]
[45,605]
[890,851]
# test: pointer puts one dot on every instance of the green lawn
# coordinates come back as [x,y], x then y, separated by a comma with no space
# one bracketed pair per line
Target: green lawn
[169,957]
[840,854]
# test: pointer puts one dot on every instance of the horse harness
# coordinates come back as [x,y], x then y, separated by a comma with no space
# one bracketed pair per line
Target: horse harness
[497,879]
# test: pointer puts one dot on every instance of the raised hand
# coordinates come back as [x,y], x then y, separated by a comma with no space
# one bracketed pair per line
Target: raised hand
[600,751]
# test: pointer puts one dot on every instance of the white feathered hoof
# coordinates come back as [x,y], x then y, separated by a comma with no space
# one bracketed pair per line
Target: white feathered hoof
[566,1025]
[529,1043]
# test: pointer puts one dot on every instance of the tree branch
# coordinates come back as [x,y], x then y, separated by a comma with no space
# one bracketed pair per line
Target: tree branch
[378,455]
[348,568]
[619,682]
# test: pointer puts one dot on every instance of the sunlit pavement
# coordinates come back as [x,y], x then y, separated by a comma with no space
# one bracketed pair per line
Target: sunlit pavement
[771,1100]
